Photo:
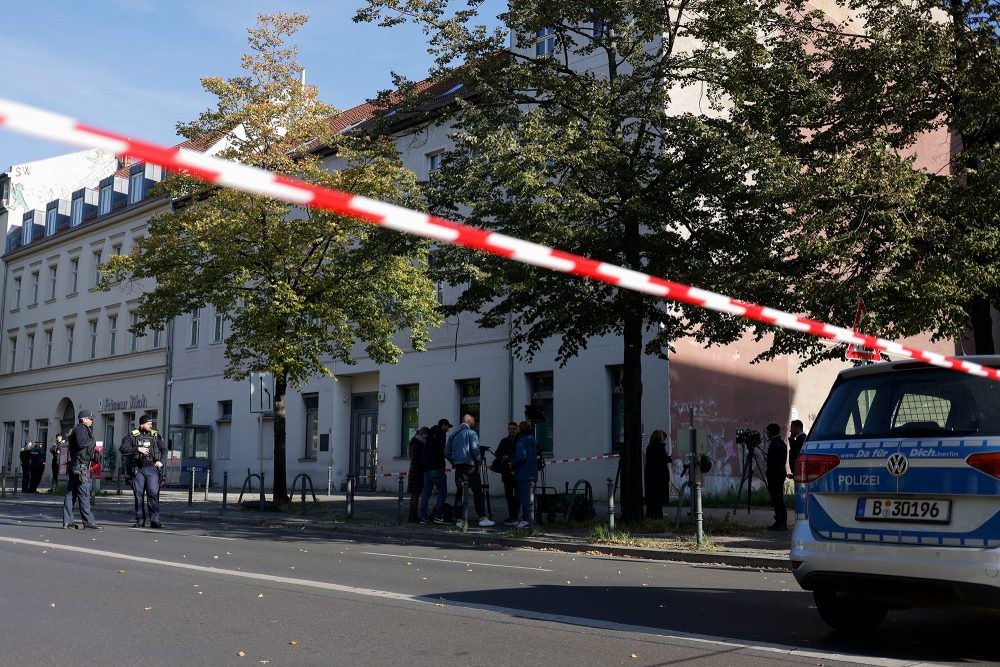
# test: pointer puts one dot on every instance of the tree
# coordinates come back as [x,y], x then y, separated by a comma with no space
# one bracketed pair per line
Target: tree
[301,287]
[759,149]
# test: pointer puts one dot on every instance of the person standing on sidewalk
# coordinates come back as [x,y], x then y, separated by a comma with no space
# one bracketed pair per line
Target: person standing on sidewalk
[777,473]
[415,475]
[434,475]
[525,466]
[797,438]
[82,449]
[462,449]
[501,465]
[37,459]
[142,450]
[25,457]
[54,451]
[657,474]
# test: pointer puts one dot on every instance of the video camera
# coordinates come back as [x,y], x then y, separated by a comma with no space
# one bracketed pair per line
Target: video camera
[748,437]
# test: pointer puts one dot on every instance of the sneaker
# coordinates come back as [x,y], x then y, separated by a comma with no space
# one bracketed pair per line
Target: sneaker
[93,526]
[510,522]
[156,524]
[522,524]
[438,519]
[485,522]
[138,524]
[425,521]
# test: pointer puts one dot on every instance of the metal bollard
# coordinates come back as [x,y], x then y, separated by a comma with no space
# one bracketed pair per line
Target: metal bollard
[465,505]
[225,489]
[399,504]
[191,490]
[208,475]
[611,505]
[329,481]
[304,495]
[261,490]
[531,502]
[350,497]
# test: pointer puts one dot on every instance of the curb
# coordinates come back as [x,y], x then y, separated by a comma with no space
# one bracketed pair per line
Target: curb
[743,559]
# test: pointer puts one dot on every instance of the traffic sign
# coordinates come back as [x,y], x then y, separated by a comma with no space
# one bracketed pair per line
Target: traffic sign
[261,392]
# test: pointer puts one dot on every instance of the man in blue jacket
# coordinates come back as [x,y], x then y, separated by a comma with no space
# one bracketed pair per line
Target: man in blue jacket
[462,449]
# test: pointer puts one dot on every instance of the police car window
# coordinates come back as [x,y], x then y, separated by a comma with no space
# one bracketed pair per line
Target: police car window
[910,403]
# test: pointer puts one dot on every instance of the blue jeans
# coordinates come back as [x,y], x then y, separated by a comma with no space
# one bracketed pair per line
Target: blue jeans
[439,481]
[77,492]
[147,481]
[524,493]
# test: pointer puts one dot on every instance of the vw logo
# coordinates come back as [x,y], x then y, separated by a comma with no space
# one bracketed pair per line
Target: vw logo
[897,465]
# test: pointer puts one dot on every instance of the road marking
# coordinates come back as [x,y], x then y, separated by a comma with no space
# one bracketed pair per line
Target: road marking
[597,624]
[457,562]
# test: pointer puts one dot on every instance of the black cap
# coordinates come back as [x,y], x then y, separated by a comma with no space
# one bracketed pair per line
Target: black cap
[444,423]
[85,414]
[145,419]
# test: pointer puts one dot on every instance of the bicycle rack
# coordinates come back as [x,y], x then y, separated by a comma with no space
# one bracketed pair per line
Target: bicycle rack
[249,482]
[305,478]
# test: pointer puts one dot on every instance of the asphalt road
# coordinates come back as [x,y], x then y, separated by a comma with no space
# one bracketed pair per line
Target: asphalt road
[204,593]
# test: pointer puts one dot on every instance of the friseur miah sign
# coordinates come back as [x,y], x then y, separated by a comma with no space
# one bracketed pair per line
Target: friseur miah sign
[111,405]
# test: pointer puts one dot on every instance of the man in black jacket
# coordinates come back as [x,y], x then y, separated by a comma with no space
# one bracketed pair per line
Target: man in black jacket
[795,442]
[501,464]
[54,450]
[82,449]
[434,475]
[777,473]
[25,456]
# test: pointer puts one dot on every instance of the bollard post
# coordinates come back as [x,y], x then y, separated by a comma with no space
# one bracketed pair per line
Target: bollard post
[465,506]
[611,505]
[225,489]
[531,503]
[191,490]
[399,504]
[696,497]
[208,475]
[350,497]
[329,481]
[304,496]
[119,482]
[261,491]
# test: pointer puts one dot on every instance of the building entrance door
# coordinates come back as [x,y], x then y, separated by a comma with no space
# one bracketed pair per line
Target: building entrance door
[364,438]
[195,443]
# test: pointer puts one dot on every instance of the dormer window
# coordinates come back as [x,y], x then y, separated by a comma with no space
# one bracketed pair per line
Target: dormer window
[135,183]
[76,212]
[104,203]
[50,221]
[545,42]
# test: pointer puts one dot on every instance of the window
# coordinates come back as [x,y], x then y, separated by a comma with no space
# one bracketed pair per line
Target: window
[312,424]
[542,398]
[112,334]
[93,339]
[48,347]
[98,258]
[116,249]
[187,413]
[76,212]
[17,293]
[135,182]
[42,433]
[156,336]
[50,221]
[225,409]
[469,402]
[53,273]
[104,201]
[439,291]
[434,162]
[545,42]
[133,345]
[69,343]
[34,287]
[411,415]
[31,351]
[617,408]
[74,270]
[217,330]
[195,326]
[13,353]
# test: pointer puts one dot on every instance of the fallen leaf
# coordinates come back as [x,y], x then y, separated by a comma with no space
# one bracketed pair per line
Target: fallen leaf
[436,604]
[260,595]
[215,557]
[45,551]
[201,592]
[195,585]
[121,571]
[294,642]
[291,567]
[568,581]
[241,654]
[146,608]
[407,562]
[634,655]
[53,604]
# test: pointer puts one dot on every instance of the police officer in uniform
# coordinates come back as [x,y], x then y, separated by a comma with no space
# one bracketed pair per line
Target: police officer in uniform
[37,460]
[82,450]
[54,450]
[143,450]
[25,456]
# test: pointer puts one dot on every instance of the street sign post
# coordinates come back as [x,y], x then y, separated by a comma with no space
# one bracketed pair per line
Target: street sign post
[858,352]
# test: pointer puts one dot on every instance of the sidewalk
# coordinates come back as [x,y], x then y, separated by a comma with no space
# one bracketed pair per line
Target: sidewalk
[739,537]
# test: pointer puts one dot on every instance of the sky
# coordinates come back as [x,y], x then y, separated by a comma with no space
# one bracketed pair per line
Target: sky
[134,66]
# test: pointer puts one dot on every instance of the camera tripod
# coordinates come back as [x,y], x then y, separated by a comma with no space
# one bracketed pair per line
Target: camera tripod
[754,465]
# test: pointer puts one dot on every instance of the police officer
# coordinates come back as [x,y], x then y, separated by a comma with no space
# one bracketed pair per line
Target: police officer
[54,450]
[776,474]
[82,449]
[143,450]
[37,459]
[25,456]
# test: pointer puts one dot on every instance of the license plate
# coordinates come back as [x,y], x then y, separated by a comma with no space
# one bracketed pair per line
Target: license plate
[917,510]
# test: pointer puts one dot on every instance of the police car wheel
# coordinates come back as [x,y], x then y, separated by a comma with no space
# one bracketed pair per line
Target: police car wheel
[848,614]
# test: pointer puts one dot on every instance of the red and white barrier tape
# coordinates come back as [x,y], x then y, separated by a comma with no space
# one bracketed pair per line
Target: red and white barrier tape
[581,458]
[56,127]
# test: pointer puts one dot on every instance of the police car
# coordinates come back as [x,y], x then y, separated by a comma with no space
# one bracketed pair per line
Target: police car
[898,494]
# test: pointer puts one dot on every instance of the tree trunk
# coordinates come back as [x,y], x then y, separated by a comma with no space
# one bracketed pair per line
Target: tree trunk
[982,325]
[631,481]
[279,484]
